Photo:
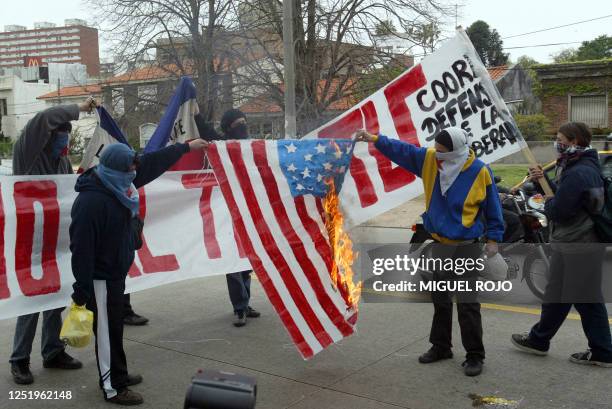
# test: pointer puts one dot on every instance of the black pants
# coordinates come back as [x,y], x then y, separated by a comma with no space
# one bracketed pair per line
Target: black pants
[107,306]
[127,306]
[468,310]
[575,277]
[239,288]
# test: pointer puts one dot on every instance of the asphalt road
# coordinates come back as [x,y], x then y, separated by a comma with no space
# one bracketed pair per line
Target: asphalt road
[376,368]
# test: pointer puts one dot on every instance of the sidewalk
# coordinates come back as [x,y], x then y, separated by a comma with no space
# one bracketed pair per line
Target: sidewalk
[191,328]
[377,368]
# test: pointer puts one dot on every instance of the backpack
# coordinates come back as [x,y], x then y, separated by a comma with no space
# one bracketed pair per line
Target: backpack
[603,220]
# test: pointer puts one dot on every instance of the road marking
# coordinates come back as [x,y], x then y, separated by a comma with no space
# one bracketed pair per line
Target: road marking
[527,310]
[488,306]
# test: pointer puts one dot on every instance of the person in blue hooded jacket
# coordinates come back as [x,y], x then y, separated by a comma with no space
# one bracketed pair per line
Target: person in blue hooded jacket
[462,206]
[104,234]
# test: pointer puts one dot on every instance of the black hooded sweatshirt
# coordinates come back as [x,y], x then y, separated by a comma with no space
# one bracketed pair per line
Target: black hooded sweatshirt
[101,235]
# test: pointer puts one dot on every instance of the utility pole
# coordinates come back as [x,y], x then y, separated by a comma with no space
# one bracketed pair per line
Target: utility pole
[289,69]
[457,5]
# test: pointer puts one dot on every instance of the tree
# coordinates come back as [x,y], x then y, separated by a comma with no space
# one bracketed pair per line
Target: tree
[488,44]
[183,31]
[333,47]
[526,62]
[596,49]
[333,44]
[385,27]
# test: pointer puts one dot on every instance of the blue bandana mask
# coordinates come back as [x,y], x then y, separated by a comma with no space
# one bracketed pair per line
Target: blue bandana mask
[59,145]
[120,184]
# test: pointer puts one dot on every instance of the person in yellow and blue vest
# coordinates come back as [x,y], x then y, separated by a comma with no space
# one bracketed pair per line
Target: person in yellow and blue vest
[462,206]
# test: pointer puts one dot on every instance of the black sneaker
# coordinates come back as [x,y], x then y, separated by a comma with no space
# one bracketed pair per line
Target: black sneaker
[521,341]
[126,397]
[586,358]
[134,379]
[135,320]
[240,319]
[472,367]
[435,354]
[21,373]
[252,313]
[63,361]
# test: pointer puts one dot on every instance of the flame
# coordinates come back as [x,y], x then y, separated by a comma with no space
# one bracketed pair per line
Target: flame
[342,250]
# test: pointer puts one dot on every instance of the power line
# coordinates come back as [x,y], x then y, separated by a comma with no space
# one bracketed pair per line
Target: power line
[554,28]
[542,45]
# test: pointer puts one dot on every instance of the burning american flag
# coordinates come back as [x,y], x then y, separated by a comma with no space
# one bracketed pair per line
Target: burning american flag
[282,196]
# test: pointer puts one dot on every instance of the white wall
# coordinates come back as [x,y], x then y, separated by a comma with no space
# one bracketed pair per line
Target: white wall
[22,103]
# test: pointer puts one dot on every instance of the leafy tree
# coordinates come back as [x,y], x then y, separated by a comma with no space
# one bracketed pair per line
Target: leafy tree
[385,27]
[488,44]
[596,49]
[526,61]
[567,55]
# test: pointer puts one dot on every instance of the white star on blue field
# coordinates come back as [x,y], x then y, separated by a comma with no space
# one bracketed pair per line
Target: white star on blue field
[309,163]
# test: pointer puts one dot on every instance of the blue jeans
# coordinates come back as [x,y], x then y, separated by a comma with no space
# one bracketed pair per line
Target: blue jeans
[239,287]
[575,278]
[25,331]
[594,318]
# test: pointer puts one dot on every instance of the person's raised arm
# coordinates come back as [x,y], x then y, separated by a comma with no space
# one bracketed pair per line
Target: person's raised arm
[38,129]
[406,155]
[152,165]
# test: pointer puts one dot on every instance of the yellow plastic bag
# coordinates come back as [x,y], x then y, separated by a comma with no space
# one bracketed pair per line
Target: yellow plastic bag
[78,327]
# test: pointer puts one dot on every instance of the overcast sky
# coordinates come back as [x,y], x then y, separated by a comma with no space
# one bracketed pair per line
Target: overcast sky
[508,17]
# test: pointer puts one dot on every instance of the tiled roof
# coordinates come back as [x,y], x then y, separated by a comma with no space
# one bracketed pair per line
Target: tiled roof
[265,104]
[147,74]
[79,90]
[498,72]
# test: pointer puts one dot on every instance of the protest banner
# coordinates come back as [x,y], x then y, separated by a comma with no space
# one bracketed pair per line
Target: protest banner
[188,233]
[188,228]
[450,87]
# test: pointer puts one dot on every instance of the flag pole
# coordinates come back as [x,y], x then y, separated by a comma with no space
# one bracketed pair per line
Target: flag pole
[289,69]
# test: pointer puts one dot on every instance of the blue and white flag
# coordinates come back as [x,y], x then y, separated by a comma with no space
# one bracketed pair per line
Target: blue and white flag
[106,133]
[178,123]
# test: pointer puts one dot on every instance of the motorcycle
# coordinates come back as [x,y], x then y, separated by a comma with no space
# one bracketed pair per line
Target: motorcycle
[528,205]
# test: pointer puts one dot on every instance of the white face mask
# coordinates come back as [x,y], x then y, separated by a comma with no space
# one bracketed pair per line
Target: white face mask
[449,156]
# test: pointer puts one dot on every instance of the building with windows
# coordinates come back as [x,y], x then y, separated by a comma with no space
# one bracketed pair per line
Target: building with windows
[577,91]
[47,43]
[18,103]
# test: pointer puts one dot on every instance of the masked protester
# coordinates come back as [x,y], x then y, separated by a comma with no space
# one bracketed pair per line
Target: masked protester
[577,257]
[234,126]
[42,149]
[104,234]
[462,205]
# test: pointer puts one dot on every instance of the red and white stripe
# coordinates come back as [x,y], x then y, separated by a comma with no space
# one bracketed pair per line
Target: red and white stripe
[286,242]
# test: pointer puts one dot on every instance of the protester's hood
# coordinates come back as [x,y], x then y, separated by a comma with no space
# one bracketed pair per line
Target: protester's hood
[89,182]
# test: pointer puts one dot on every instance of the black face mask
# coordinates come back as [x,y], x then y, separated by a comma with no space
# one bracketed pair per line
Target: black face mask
[240,131]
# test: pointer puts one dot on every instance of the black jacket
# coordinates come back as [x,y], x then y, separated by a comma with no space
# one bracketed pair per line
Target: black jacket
[101,236]
[580,187]
[579,194]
